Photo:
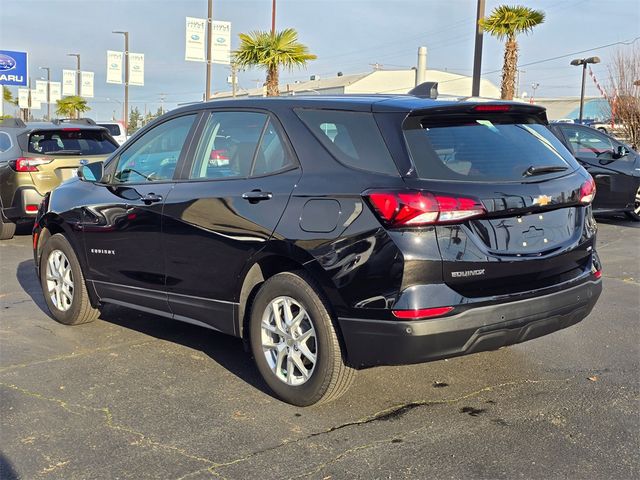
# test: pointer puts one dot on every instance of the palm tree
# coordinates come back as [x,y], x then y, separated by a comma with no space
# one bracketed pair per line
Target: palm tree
[506,22]
[272,51]
[71,106]
[7,96]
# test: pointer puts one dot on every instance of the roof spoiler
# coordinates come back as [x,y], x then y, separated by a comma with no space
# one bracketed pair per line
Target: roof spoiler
[12,123]
[425,90]
[83,121]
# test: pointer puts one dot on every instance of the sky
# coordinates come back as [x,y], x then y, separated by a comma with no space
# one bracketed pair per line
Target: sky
[347,36]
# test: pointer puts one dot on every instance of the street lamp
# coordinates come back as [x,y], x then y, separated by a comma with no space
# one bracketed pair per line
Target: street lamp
[118,102]
[77,55]
[584,62]
[126,78]
[48,91]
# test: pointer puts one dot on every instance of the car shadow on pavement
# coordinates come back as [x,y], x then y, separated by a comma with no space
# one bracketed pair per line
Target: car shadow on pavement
[225,350]
[616,219]
[6,469]
[29,282]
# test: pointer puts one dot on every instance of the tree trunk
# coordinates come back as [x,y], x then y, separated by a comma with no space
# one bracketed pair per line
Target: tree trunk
[272,82]
[509,68]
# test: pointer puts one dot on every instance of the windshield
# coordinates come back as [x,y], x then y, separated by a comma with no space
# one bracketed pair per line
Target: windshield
[71,141]
[486,149]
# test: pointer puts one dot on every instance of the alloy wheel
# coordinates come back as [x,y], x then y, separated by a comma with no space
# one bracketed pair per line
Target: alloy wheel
[636,203]
[289,341]
[59,280]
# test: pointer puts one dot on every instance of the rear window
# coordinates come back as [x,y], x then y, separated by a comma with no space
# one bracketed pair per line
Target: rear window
[484,149]
[114,128]
[72,141]
[353,138]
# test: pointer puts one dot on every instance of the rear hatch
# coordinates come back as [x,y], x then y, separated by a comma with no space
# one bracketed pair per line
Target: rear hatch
[512,200]
[56,153]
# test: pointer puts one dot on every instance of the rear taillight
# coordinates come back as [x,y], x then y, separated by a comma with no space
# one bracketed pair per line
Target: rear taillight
[416,208]
[421,313]
[587,191]
[28,164]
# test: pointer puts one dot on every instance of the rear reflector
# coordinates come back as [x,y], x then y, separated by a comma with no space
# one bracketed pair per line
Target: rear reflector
[597,273]
[416,208]
[492,108]
[28,164]
[587,191]
[421,313]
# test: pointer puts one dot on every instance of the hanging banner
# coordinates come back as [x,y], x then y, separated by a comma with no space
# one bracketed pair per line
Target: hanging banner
[196,32]
[35,101]
[41,91]
[136,69]
[221,42]
[69,82]
[55,91]
[23,97]
[86,85]
[14,68]
[114,67]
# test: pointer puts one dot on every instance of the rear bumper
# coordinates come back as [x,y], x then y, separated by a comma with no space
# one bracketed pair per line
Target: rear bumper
[380,342]
[22,197]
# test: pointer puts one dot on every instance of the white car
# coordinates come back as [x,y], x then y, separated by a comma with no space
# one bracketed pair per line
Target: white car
[116,129]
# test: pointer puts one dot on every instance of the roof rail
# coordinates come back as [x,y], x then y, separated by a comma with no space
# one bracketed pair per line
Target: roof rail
[12,123]
[84,121]
[425,90]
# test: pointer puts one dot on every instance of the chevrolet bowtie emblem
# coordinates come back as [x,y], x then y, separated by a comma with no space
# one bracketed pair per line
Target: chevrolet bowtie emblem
[542,200]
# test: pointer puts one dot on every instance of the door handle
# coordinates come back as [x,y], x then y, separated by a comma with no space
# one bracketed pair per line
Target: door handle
[150,198]
[255,196]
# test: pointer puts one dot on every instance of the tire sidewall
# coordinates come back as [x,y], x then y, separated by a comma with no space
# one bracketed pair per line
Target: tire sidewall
[59,242]
[291,285]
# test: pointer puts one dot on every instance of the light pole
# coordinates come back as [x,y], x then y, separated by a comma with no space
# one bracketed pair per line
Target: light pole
[118,102]
[273,17]
[48,91]
[584,62]
[477,54]
[207,90]
[534,87]
[77,55]
[126,79]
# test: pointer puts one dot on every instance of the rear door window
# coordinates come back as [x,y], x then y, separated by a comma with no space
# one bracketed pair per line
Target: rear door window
[484,148]
[71,141]
[353,138]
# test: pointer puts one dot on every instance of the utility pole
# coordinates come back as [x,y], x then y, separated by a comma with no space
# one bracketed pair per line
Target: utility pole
[207,91]
[234,78]
[126,79]
[477,55]
[162,97]
[78,80]
[273,17]
[48,91]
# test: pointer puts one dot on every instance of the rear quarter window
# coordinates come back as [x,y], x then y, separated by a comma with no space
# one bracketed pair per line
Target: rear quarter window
[5,142]
[483,148]
[353,138]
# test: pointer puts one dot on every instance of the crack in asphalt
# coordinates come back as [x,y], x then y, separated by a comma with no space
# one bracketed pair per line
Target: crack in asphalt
[78,354]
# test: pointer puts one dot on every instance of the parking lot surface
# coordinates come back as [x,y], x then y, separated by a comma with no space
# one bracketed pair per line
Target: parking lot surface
[138,396]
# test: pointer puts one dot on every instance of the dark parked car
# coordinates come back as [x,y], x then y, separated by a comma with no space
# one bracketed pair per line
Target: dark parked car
[332,234]
[35,157]
[614,166]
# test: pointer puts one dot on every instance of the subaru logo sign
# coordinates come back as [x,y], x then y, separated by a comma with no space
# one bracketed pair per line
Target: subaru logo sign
[7,63]
[220,39]
[114,65]
[13,68]
[195,37]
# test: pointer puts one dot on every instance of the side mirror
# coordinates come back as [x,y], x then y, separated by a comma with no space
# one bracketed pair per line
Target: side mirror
[620,152]
[91,172]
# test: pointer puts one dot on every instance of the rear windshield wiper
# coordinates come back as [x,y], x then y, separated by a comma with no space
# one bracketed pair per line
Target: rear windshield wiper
[532,170]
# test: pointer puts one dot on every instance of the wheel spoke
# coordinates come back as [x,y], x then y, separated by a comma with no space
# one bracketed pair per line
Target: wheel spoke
[298,362]
[288,314]
[304,350]
[289,369]
[306,336]
[295,323]
[282,354]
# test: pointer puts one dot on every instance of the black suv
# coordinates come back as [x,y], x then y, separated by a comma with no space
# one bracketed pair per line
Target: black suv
[332,233]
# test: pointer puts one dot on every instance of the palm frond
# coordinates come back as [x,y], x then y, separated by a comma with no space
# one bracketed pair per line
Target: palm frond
[509,21]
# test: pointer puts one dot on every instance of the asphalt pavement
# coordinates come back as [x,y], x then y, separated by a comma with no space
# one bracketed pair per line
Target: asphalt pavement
[134,396]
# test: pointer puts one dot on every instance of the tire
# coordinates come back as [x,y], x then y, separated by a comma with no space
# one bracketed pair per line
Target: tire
[7,228]
[635,213]
[298,379]
[69,304]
